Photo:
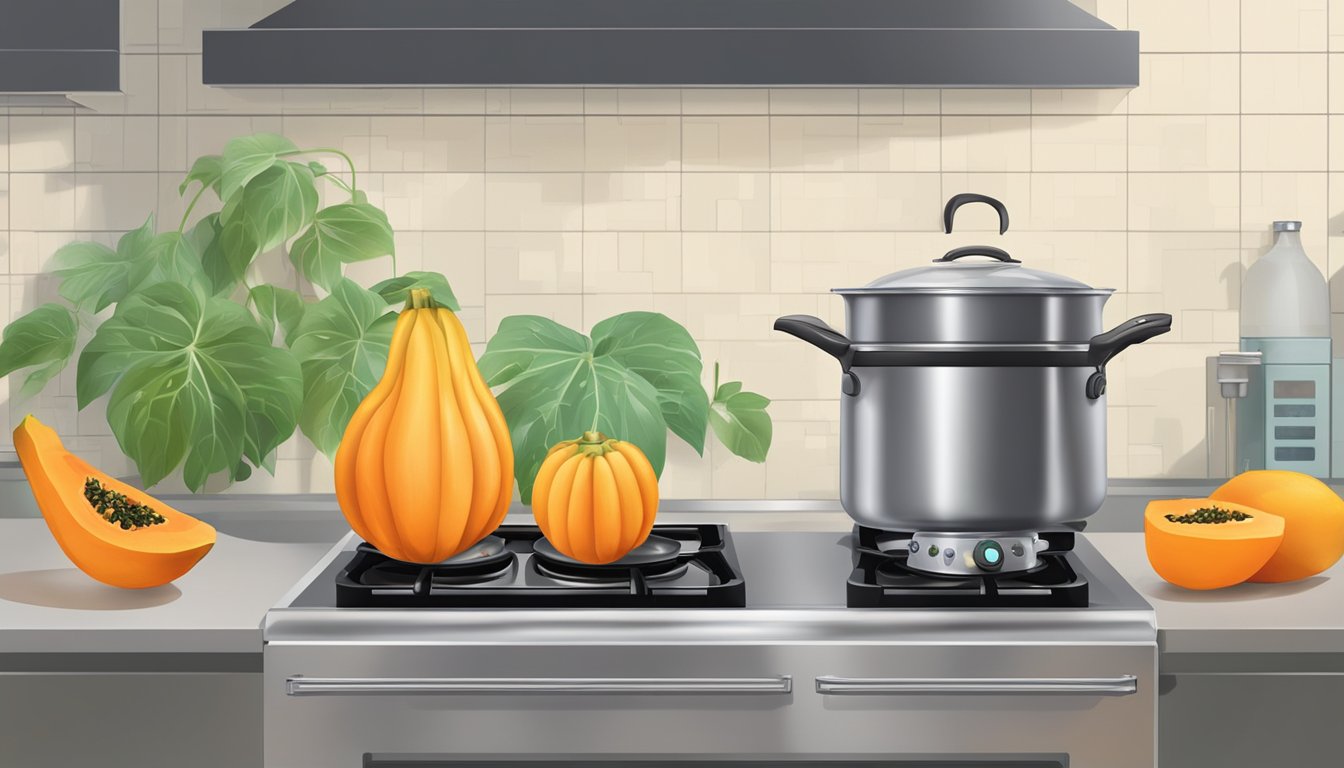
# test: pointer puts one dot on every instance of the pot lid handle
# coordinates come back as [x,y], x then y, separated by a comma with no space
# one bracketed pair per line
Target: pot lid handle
[957,201]
[979,250]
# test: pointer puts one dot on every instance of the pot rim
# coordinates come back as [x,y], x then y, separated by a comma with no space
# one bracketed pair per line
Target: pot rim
[976,291]
[970,346]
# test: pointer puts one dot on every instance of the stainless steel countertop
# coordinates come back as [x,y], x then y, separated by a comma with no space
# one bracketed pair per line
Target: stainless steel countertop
[48,606]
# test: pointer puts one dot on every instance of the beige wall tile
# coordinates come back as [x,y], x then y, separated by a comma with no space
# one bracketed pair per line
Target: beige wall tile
[1283,142]
[420,143]
[725,202]
[632,262]
[534,143]
[41,143]
[116,143]
[725,101]
[1336,142]
[899,101]
[1183,202]
[533,262]
[348,133]
[727,262]
[4,143]
[1198,270]
[631,201]
[632,143]
[1000,143]
[814,143]
[860,201]
[632,101]
[1184,142]
[1075,143]
[563,308]
[1105,101]
[4,214]
[41,201]
[432,201]
[1184,25]
[814,101]
[534,101]
[1267,197]
[1077,201]
[725,143]
[1336,78]
[974,101]
[1272,83]
[811,470]
[815,262]
[459,256]
[1187,83]
[534,201]
[1283,25]
[454,101]
[899,143]
[114,200]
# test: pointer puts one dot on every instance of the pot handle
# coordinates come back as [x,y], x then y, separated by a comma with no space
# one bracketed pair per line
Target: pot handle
[820,335]
[979,250]
[956,201]
[1105,346]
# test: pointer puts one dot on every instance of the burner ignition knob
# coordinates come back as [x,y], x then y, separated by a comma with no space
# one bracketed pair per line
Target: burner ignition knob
[988,555]
[1017,550]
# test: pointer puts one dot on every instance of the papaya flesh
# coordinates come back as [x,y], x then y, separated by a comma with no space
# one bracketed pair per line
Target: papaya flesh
[137,558]
[1313,515]
[1203,544]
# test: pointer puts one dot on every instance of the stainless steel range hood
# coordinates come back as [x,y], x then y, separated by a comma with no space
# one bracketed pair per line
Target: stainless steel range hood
[56,47]
[815,43]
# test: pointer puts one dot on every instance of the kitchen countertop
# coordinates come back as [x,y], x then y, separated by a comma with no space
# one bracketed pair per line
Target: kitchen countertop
[47,606]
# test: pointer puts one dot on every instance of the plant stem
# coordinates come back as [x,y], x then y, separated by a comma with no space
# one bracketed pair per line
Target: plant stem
[182,224]
[714,393]
[329,151]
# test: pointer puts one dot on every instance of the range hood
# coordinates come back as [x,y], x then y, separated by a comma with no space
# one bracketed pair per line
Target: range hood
[52,48]
[814,43]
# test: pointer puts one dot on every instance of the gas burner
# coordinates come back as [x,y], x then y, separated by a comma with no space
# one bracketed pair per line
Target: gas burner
[889,571]
[679,566]
[656,558]
[484,561]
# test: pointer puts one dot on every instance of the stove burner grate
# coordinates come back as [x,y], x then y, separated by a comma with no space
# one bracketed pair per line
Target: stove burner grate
[882,579]
[656,558]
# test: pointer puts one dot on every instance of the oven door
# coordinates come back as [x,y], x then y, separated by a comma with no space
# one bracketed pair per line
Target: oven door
[727,706]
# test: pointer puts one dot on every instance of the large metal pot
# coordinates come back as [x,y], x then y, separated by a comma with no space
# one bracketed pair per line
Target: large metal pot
[973,393]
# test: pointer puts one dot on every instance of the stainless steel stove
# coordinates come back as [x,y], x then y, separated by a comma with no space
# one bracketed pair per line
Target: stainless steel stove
[790,674]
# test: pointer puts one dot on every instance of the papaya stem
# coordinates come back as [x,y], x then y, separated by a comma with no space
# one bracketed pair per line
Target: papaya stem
[420,298]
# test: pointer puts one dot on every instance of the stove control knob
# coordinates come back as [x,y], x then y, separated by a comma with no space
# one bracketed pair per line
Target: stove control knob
[914,547]
[988,555]
[1017,550]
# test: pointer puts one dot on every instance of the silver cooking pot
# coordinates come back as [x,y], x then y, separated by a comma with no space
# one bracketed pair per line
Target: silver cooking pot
[973,392]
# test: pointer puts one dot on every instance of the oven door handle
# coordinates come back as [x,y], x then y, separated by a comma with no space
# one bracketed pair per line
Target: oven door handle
[299,685]
[830,685]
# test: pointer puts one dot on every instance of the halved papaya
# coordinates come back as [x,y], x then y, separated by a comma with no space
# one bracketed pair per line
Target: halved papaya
[135,557]
[1313,516]
[1202,544]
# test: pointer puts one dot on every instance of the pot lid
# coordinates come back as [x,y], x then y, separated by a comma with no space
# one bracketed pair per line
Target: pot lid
[975,277]
[1004,274]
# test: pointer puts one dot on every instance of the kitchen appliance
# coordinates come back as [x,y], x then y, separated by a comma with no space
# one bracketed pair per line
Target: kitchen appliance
[1230,376]
[793,675]
[973,393]
[1284,420]
[55,48]
[908,43]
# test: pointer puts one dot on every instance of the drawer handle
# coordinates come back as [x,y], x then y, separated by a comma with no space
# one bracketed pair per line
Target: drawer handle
[320,686]
[830,685]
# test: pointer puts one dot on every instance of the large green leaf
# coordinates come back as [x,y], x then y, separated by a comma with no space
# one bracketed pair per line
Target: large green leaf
[207,170]
[340,234]
[275,204]
[276,306]
[246,157]
[341,343]
[555,386]
[656,347]
[94,276]
[45,338]
[740,421]
[194,382]
[221,264]
[396,289]
[170,258]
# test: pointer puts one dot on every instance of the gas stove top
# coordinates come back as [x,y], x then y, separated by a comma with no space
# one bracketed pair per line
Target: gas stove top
[680,565]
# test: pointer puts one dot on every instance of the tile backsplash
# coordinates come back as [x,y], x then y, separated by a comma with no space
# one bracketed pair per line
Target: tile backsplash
[727,208]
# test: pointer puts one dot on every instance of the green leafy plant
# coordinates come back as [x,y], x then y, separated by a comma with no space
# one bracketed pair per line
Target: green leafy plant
[208,372]
[204,370]
[636,377]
